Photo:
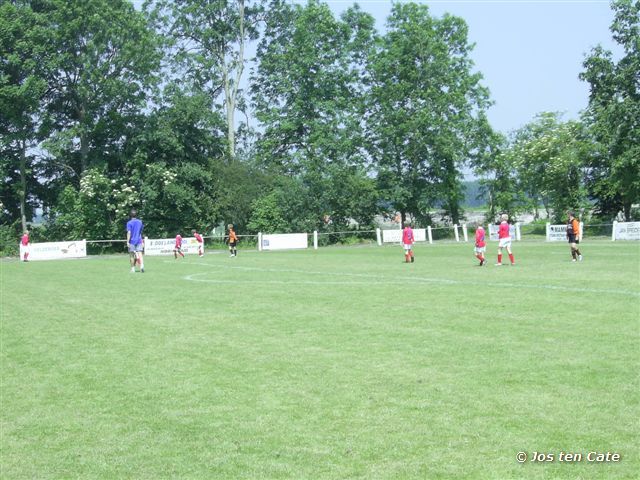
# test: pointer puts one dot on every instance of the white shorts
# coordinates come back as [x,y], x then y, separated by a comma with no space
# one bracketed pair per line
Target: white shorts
[504,242]
[480,249]
[407,246]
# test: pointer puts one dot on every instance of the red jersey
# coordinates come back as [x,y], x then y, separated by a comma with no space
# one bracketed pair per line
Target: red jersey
[503,231]
[407,236]
[198,237]
[178,241]
[480,237]
[25,240]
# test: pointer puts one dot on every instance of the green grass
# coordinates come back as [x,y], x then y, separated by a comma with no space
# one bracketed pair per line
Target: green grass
[336,363]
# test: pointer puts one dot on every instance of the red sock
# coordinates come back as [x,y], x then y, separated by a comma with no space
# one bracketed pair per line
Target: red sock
[479,257]
[499,258]
[513,260]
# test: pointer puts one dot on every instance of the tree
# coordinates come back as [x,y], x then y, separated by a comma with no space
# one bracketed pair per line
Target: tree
[426,111]
[22,85]
[613,115]
[209,40]
[308,95]
[549,157]
[500,182]
[102,62]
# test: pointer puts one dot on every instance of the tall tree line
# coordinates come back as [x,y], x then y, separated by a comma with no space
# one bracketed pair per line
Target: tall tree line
[283,117]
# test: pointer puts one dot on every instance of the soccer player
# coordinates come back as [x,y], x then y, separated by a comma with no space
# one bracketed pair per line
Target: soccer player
[481,245]
[134,241]
[200,241]
[177,249]
[407,243]
[24,241]
[232,238]
[504,240]
[573,236]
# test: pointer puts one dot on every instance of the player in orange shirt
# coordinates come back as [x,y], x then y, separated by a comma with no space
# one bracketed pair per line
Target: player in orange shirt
[232,238]
[573,236]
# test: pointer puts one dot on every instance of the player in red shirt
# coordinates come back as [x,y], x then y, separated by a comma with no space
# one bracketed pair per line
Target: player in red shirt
[178,247]
[504,240]
[407,243]
[200,241]
[24,242]
[481,245]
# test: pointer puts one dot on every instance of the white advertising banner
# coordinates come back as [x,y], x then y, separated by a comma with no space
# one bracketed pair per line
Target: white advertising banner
[164,246]
[493,232]
[56,250]
[556,233]
[284,241]
[626,230]
[395,236]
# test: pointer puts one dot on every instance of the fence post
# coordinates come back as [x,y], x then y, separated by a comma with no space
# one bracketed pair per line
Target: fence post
[547,230]
[315,239]
[379,237]
[259,241]
[465,234]
[455,230]
[518,236]
[613,231]
[429,234]
[581,234]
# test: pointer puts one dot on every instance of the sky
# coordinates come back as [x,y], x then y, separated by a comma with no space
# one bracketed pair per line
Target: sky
[530,52]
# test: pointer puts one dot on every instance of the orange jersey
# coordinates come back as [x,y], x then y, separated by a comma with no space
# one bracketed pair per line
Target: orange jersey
[232,236]
[575,225]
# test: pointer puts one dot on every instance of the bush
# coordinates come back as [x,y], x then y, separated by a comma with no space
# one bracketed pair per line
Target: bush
[9,243]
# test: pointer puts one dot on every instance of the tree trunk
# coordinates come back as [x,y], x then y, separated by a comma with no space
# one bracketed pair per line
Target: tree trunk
[454,210]
[627,211]
[84,143]
[231,129]
[231,90]
[23,185]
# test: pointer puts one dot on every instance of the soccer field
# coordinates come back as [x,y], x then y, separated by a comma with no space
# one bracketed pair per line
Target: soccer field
[336,363]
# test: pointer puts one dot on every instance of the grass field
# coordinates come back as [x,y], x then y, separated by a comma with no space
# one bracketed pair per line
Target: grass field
[336,363]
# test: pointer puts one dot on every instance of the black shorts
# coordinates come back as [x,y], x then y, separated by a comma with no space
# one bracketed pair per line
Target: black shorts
[232,244]
[572,238]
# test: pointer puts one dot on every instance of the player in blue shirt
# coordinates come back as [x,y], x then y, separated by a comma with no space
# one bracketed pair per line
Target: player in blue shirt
[134,241]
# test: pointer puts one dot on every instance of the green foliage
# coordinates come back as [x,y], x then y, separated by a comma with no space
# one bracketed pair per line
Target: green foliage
[97,210]
[267,215]
[549,158]
[308,94]
[23,41]
[9,240]
[207,42]
[612,116]
[102,62]
[351,124]
[425,111]
[175,200]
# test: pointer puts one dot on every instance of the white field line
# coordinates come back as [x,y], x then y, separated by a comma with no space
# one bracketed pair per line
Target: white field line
[368,279]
